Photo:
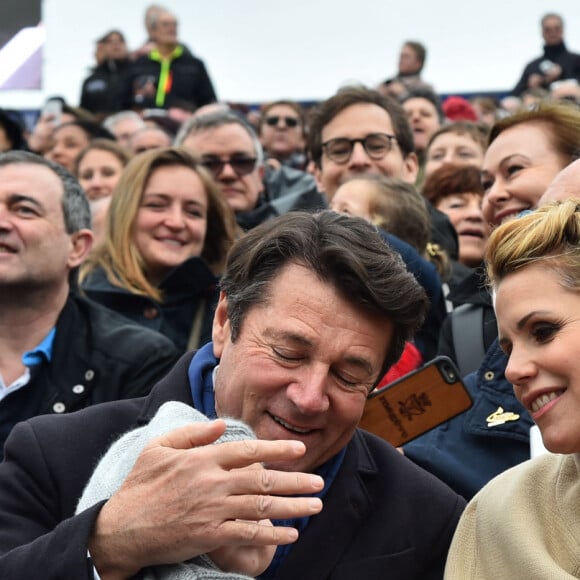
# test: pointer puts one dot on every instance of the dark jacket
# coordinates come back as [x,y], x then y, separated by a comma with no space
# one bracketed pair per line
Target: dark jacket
[426,274]
[188,287]
[188,84]
[97,356]
[469,450]
[285,189]
[442,231]
[104,90]
[383,517]
[558,54]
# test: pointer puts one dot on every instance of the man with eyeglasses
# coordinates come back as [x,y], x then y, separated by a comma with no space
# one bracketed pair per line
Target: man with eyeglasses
[230,149]
[359,131]
[283,134]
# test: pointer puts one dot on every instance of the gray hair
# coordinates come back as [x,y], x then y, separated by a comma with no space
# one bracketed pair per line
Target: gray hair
[552,15]
[152,15]
[219,119]
[75,205]
[111,121]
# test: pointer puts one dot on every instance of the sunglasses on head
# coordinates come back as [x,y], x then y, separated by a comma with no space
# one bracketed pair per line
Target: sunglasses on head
[242,165]
[288,121]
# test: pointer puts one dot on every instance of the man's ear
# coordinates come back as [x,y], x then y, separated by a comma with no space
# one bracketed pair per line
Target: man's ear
[317,172]
[410,168]
[221,331]
[81,245]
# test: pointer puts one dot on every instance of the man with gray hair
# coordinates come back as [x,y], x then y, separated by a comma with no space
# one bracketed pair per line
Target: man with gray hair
[168,76]
[59,352]
[231,151]
[124,125]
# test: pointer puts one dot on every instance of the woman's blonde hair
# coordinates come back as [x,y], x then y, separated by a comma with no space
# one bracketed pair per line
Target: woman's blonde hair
[561,119]
[118,255]
[550,234]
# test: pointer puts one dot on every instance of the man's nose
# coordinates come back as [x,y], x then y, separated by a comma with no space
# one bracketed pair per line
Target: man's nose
[359,156]
[309,392]
[227,173]
[5,221]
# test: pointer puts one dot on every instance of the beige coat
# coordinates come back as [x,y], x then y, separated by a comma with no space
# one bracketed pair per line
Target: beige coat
[524,524]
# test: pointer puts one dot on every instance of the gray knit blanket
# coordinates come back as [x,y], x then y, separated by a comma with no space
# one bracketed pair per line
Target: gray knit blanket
[118,461]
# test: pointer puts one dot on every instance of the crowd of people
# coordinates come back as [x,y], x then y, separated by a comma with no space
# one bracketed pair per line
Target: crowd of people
[198,299]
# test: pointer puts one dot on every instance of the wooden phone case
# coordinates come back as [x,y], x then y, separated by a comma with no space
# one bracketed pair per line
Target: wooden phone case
[417,402]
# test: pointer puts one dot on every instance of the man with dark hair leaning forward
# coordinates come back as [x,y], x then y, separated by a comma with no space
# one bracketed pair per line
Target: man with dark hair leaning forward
[312,312]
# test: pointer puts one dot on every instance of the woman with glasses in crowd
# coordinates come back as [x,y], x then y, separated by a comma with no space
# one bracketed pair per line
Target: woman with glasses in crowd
[166,238]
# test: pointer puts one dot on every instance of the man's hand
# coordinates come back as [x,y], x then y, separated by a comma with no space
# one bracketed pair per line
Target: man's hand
[535,80]
[249,560]
[185,497]
[40,140]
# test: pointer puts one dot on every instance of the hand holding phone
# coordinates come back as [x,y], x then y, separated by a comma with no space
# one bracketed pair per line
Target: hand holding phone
[52,111]
[416,403]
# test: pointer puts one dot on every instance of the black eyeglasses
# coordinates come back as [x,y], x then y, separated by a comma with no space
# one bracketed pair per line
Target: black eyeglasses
[241,164]
[376,145]
[290,122]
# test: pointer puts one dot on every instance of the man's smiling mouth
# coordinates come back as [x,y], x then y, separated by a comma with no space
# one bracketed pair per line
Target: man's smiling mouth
[290,427]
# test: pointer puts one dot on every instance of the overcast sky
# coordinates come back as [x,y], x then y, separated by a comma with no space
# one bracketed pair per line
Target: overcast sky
[257,50]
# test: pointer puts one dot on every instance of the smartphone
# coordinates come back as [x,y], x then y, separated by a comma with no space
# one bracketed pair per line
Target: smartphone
[416,402]
[53,107]
[546,66]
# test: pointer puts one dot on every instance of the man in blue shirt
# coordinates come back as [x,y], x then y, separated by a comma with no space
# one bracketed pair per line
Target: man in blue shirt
[58,351]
